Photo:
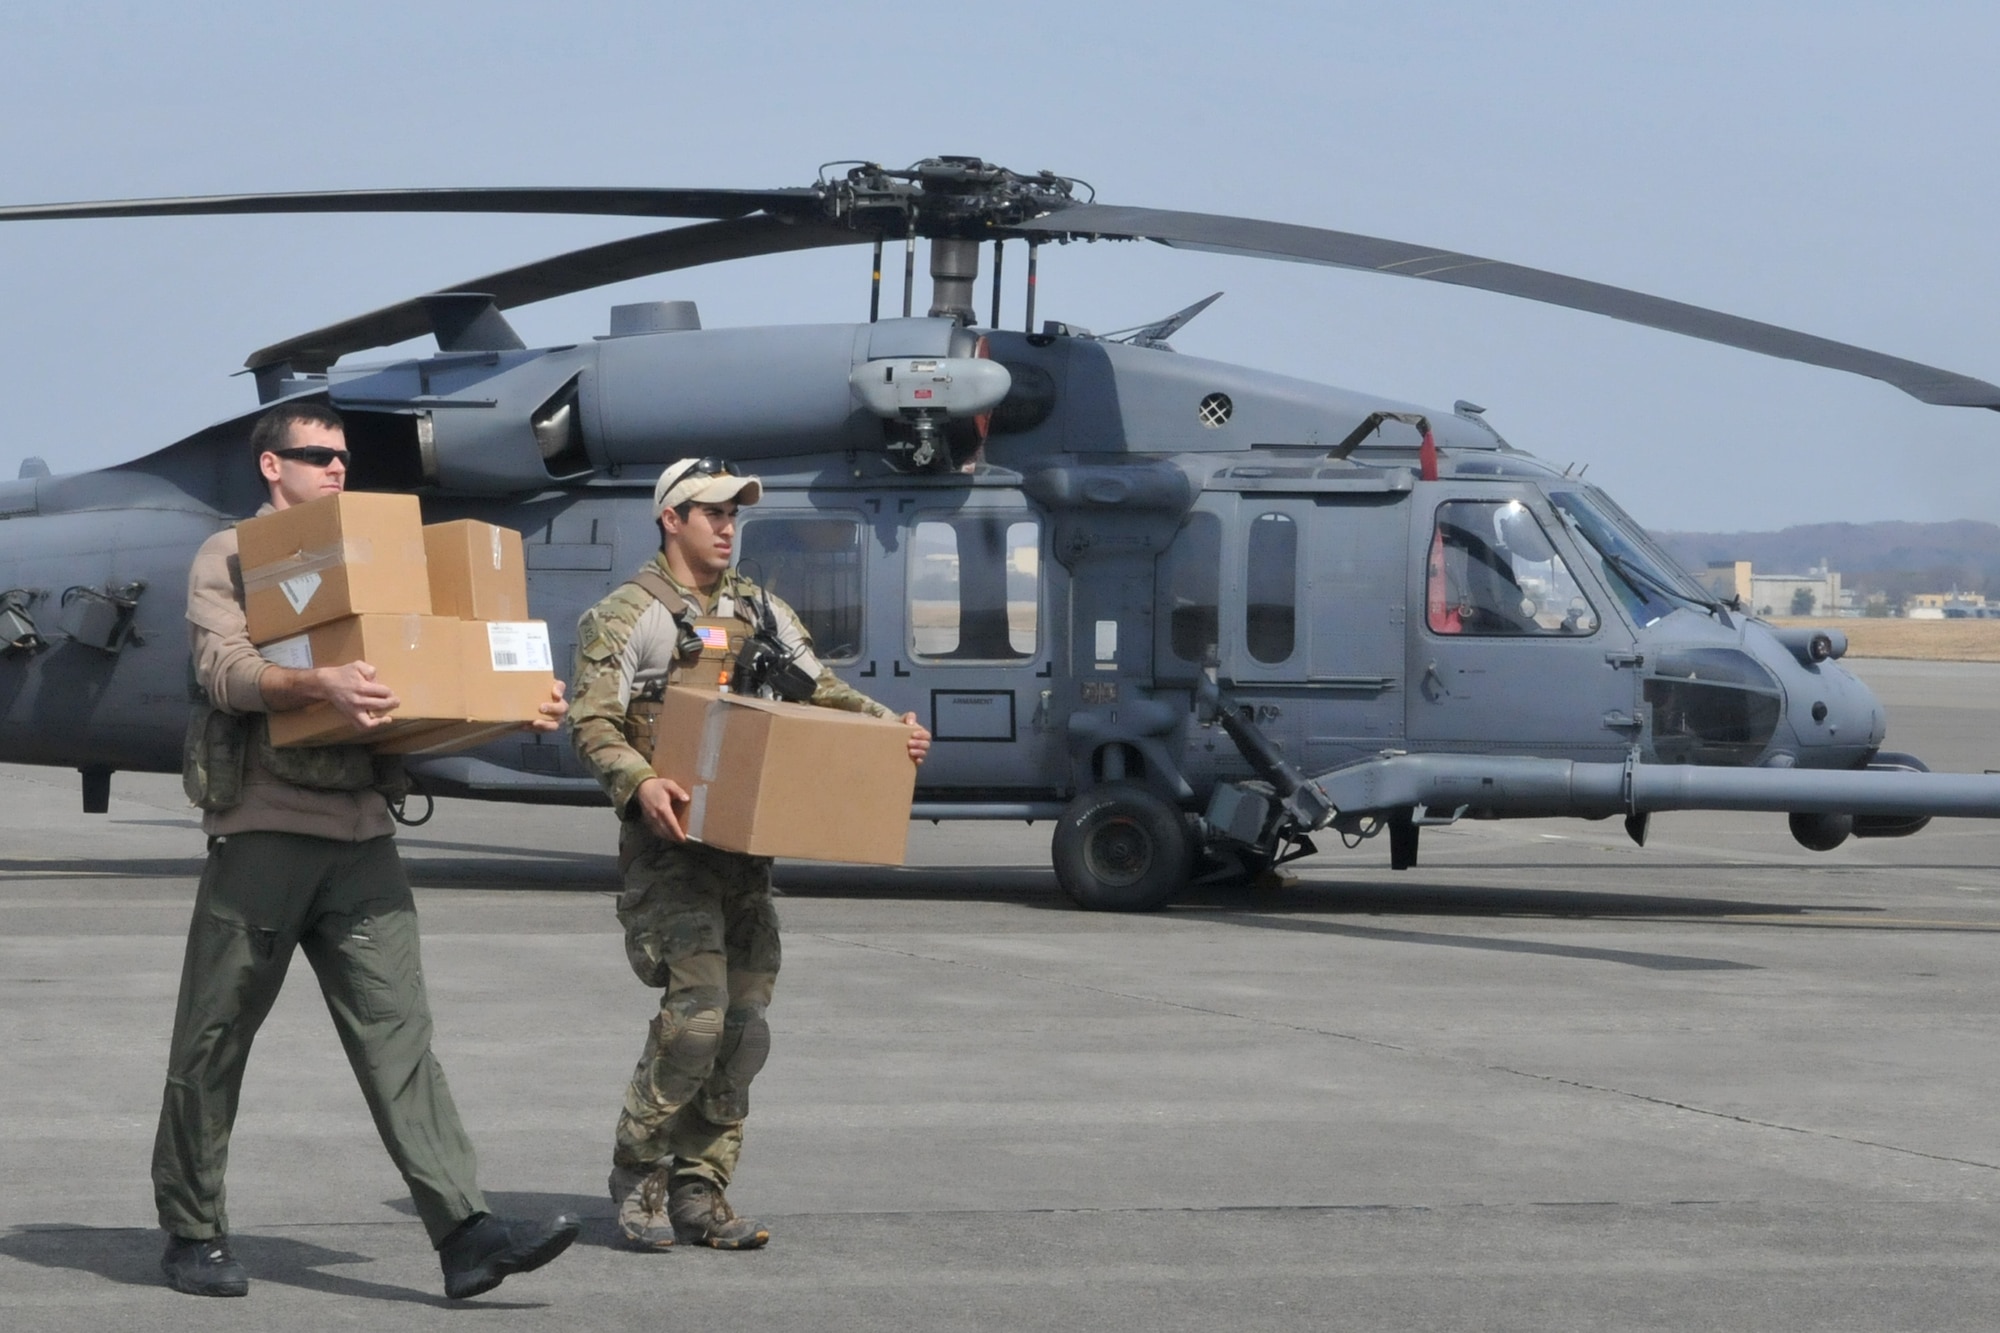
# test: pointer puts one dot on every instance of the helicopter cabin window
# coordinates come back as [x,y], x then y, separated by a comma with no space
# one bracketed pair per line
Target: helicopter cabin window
[813,564]
[1271,579]
[1193,583]
[1493,570]
[975,588]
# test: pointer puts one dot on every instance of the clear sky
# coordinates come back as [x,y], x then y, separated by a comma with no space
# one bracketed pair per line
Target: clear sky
[1825,166]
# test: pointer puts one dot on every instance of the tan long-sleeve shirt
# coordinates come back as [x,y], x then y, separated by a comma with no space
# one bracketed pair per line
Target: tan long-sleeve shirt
[230,669]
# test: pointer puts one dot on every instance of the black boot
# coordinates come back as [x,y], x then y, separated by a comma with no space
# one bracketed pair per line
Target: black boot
[203,1267]
[486,1249]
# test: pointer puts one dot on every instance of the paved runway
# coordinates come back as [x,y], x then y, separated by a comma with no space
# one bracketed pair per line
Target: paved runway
[1547,1080]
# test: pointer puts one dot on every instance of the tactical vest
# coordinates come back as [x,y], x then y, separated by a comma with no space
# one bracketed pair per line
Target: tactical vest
[704,656]
[215,754]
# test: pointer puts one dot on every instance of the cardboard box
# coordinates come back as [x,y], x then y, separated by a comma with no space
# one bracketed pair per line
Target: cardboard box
[477,571]
[778,779]
[507,672]
[350,554]
[418,657]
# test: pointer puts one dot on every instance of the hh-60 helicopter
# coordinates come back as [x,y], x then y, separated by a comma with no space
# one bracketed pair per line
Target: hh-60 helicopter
[1192,612]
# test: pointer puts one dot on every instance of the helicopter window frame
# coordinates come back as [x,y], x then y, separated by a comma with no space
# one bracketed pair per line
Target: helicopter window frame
[1647,583]
[1479,585]
[1271,587]
[1021,533]
[823,568]
[1190,580]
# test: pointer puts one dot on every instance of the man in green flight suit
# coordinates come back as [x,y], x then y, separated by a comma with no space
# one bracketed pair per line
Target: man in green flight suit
[698,922]
[301,857]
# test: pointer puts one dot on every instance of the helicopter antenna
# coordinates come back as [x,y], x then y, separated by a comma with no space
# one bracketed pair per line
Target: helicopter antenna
[1029,323]
[1157,333]
[875,286]
[999,254]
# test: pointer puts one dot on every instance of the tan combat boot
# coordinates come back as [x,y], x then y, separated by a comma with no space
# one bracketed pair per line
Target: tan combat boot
[702,1216]
[641,1200]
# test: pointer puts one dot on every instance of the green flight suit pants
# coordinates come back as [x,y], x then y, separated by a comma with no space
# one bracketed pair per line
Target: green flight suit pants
[348,906]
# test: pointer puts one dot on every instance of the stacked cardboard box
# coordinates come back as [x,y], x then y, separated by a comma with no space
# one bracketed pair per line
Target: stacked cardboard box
[781,779]
[479,574]
[439,612]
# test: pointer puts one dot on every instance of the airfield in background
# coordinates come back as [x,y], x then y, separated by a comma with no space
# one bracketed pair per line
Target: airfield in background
[1547,1080]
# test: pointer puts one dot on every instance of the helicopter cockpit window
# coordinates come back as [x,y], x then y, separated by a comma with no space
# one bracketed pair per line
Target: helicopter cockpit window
[975,588]
[1193,583]
[1493,570]
[1271,579]
[814,564]
[1646,581]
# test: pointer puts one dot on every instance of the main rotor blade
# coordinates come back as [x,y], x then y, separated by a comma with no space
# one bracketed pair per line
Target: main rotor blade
[643,203]
[559,275]
[1314,245]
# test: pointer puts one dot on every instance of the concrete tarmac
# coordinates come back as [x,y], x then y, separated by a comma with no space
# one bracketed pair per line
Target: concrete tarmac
[1547,1080]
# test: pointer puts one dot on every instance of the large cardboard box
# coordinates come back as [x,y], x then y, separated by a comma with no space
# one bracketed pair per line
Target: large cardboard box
[477,571]
[507,672]
[779,779]
[418,657]
[357,553]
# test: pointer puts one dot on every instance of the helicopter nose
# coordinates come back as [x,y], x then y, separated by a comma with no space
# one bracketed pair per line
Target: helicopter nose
[1833,713]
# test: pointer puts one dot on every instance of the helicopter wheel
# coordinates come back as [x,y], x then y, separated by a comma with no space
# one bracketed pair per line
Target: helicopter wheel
[1122,848]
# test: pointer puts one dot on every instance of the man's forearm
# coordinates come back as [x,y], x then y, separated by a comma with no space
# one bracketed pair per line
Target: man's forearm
[285,688]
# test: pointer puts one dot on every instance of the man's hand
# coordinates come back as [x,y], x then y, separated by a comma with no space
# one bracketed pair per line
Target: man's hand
[351,688]
[553,712]
[659,801]
[920,740]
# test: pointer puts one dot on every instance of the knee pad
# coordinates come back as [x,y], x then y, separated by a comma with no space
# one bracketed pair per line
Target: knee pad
[686,1035]
[746,1045]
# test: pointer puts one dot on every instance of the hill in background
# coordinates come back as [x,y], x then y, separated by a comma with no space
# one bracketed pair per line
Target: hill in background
[1893,558]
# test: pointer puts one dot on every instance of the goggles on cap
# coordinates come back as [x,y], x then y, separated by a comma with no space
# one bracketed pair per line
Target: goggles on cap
[706,468]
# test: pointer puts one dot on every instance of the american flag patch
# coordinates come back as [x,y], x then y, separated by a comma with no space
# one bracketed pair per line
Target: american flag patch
[713,636]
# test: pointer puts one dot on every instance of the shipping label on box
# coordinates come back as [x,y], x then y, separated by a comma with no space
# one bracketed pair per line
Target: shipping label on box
[418,657]
[521,645]
[477,571]
[779,779]
[356,553]
[506,675]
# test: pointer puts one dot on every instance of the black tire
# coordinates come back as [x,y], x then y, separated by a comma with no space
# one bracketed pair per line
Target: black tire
[1122,848]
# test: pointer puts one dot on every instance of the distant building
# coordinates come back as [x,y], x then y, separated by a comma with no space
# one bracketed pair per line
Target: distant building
[1781,594]
[1727,579]
[1953,605]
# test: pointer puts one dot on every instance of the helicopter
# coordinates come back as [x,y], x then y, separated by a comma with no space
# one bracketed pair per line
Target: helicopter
[1194,614]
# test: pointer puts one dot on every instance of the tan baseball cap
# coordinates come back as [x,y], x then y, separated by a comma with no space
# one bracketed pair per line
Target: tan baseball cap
[703,481]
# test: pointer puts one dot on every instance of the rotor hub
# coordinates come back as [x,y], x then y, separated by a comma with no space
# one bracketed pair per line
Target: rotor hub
[961,198]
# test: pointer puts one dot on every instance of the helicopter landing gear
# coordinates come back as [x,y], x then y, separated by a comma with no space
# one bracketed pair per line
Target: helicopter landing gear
[1403,830]
[1122,848]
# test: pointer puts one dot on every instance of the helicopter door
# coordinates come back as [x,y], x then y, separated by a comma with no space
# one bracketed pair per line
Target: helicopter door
[574,558]
[975,661]
[934,606]
[1509,654]
[1316,643]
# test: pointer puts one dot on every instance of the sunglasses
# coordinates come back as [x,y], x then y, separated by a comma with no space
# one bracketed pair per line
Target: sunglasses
[707,467]
[316,456]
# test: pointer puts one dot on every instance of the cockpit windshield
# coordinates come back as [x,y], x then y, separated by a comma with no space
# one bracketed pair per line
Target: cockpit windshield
[1645,579]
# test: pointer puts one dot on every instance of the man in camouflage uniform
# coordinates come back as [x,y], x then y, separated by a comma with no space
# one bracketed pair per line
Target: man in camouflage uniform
[301,858]
[698,921]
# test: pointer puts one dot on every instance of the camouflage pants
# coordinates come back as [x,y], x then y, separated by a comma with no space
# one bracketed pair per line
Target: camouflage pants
[699,923]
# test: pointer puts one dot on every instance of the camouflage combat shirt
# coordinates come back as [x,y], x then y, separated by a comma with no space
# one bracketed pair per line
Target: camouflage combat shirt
[629,642]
